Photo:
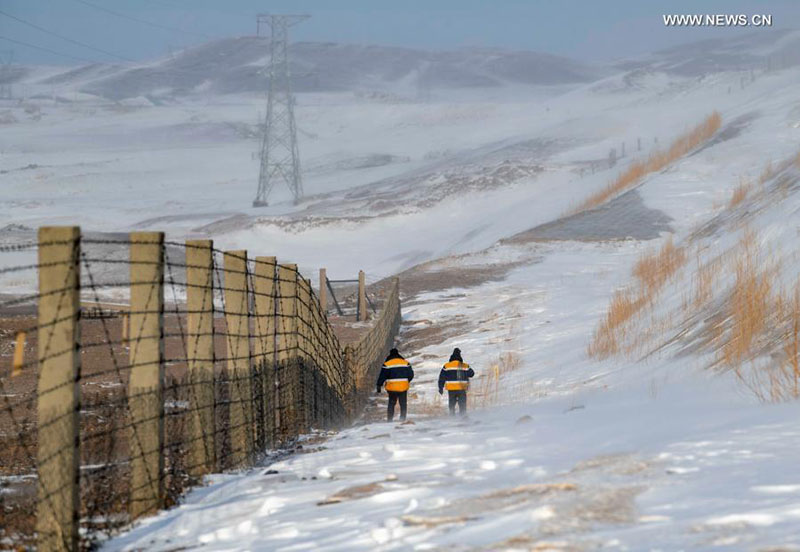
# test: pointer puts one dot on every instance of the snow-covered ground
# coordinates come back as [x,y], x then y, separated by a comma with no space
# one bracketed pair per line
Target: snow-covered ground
[560,451]
[188,167]
[575,456]
[670,469]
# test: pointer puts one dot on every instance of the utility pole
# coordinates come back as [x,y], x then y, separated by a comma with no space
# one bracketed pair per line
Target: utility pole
[280,158]
[7,58]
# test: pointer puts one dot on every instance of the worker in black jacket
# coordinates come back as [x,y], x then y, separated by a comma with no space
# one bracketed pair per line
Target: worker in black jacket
[396,373]
[454,377]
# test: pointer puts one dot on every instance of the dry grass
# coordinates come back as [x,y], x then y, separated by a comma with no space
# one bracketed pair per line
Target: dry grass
[654,270]
[757,333]
[733,309]
[790,367]
[651,271]
[767,173]
[740,193]
[775,377]
[751,302]
[657,161]
[487,390]
[703,279]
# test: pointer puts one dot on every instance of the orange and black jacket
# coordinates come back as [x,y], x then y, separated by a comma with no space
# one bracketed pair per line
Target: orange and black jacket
[396,373]
[455,376]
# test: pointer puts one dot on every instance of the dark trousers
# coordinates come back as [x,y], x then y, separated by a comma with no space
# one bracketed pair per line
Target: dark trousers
[460,398]
[395,396]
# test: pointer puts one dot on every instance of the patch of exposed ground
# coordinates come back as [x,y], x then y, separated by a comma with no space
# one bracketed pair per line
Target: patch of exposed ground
[597,491]
[729,131]
[624,217]
[353,493]
[418,334]
[155,222]
[382,201]
[483,169]
[454,272]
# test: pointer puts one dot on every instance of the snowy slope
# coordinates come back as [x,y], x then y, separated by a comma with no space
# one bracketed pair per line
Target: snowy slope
[238,65]
[625,455]
[756,51]
[568,455]
[596,471]
[188,168]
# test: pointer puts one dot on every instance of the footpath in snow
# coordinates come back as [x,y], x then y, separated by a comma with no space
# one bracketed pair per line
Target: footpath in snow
[619,470]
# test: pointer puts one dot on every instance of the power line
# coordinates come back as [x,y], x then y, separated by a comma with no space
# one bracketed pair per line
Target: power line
[62,37]
[76,58]
[142,21]
[168,5]
[48,50]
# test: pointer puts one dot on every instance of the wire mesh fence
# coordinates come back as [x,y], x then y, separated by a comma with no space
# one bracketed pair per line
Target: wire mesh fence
[135,366]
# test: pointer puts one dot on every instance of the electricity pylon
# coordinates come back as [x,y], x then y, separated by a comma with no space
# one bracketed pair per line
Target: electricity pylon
[280,158]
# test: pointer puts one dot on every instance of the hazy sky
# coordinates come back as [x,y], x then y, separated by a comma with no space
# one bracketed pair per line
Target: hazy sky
[592,29]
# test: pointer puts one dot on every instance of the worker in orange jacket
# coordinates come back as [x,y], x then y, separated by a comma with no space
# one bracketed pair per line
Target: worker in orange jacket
[454,377]
[396,374]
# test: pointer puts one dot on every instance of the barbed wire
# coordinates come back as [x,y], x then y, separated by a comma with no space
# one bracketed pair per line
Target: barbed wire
[274,368]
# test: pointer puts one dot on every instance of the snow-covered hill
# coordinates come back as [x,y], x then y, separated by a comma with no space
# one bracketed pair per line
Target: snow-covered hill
[758,51]
[238,65]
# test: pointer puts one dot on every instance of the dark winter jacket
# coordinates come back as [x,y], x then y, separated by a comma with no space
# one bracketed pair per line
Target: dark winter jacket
[455,374]
[396,373]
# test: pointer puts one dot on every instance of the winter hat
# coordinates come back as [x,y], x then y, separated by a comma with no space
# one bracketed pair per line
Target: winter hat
[394,352]
[456,355]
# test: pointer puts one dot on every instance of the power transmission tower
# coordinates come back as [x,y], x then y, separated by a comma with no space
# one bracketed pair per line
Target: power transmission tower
[280,158]
[7,58]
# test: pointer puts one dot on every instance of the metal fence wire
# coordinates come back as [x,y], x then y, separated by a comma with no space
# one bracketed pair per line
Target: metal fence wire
[133,366]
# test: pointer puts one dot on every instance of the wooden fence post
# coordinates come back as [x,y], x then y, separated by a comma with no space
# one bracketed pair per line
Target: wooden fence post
[287,332]
[363,314]
[239,368]
[318,359]
[19,353]
[58,388]
[315,358]
[264,291]
[126,319]
[302,313]
[200,355]
[323,291]
[288,386]
[306,353]
[145,388]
